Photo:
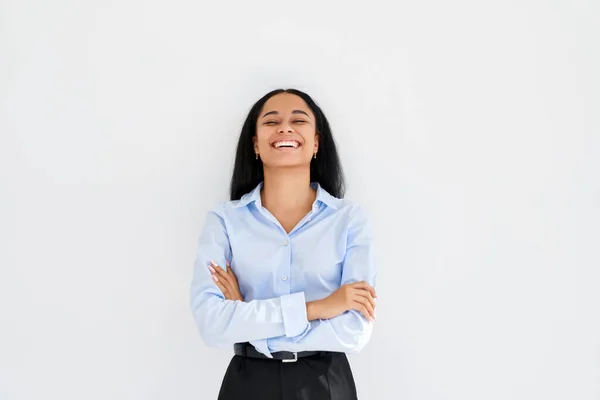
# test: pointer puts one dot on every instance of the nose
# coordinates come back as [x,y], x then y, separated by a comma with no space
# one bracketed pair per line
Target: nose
[285,127]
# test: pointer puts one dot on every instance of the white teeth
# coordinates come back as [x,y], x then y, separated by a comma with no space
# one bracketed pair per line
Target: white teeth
[290,143]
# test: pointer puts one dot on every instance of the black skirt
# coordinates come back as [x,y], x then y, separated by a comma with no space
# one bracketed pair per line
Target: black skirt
[323,376]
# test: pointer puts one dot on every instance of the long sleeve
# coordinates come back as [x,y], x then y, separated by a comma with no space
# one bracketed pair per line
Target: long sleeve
[348,332]
[224,322]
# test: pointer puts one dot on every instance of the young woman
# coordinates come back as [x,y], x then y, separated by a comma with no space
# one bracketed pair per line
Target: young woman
[285,270]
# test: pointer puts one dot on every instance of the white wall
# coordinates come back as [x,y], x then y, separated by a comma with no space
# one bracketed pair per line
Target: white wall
[468,129]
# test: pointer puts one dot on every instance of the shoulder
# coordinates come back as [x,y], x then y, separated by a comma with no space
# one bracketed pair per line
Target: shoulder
[358,225]
[343,207]
[352,209]
[228,210]
[355,216]
[223,208]
[222,216]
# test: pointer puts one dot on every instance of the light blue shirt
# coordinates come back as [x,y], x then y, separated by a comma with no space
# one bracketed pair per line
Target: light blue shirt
[279,272]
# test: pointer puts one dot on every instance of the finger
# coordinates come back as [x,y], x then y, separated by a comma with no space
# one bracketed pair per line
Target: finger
[359,307]
[220,272]
[365,302]
[230,272]
[227,279]
[365,286]
[228,287]
[215,271]
[220,285]
[367,295]
[230,284]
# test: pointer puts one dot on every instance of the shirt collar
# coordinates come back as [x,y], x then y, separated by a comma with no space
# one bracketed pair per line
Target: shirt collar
[254,196]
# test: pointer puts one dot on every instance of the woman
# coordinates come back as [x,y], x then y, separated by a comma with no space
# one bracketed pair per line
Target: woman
[285,270]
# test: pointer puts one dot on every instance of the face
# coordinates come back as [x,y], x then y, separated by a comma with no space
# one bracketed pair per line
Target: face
[286,132]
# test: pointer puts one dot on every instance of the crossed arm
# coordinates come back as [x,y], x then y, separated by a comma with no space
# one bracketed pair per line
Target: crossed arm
[337,323]
[357,296]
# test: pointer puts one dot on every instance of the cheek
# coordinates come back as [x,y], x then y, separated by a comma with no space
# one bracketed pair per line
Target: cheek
[309,144]
[262,138]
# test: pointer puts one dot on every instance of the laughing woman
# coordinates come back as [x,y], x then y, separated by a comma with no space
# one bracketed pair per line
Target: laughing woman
[285,270]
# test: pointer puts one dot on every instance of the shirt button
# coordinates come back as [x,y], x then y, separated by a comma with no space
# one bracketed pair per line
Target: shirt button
[284,277]
[286,242]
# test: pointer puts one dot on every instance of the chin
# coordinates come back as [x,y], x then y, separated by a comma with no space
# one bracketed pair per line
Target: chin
[287,164]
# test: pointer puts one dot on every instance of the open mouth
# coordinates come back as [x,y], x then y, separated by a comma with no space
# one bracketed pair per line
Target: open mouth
[286,145]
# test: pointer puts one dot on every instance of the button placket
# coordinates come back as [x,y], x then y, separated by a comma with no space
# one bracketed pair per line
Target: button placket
[284,276]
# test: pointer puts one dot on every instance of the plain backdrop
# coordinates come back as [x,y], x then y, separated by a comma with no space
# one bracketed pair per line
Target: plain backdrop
[469,130]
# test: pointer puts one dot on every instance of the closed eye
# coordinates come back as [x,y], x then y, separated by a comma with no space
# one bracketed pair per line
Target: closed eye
[298,121]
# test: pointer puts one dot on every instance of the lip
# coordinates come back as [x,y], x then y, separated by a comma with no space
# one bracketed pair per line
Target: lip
[286,149]
[291,139]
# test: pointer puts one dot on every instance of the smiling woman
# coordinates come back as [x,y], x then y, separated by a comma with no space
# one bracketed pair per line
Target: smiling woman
[285,269]
[291,130]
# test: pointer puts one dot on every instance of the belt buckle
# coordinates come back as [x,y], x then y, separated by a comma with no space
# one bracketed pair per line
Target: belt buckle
[293,359]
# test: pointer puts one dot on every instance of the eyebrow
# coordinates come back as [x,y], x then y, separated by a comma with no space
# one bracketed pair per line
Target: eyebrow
[293,112]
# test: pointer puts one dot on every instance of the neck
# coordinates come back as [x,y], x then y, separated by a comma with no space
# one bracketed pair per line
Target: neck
[286,189]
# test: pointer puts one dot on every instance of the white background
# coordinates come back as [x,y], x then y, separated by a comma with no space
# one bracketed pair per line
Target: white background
[469,130]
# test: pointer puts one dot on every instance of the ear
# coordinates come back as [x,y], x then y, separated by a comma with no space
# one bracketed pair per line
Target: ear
[254,142]
[317,141]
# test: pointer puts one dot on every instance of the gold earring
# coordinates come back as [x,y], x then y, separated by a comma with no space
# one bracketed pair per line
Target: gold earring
[257,156]
[315,154]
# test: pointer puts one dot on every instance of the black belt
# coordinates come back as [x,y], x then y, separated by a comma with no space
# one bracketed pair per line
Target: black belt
[247,350]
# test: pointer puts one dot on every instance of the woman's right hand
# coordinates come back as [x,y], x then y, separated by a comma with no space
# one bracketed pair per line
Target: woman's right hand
[357,296]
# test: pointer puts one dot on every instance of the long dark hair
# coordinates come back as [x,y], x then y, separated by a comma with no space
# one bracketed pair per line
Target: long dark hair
[326,169]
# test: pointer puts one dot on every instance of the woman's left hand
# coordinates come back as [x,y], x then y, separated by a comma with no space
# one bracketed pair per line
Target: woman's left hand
[226,281]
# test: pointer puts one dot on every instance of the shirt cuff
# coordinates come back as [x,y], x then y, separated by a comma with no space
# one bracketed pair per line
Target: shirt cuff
[293,308]
[262,346]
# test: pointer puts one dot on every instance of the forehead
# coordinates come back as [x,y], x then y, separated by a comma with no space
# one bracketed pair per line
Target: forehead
[285,103]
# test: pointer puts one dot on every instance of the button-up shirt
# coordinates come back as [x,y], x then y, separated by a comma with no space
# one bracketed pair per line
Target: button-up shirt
[279,272]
